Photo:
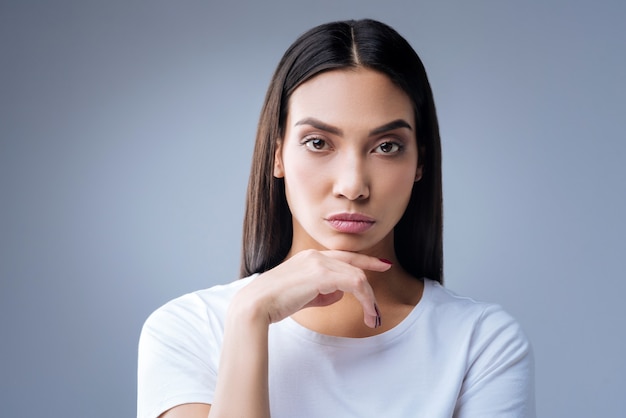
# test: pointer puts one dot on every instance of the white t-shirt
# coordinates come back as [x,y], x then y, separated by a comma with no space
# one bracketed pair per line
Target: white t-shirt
[450,357]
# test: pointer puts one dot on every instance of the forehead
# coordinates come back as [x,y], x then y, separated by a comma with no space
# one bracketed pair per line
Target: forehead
[350,97]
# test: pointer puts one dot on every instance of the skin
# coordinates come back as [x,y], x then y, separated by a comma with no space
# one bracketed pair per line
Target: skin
[349,147]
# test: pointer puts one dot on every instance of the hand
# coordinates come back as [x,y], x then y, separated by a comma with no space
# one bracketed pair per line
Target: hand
[313,278]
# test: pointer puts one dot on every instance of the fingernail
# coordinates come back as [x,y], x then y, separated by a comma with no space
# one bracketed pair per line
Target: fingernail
[379,320]
[384,260]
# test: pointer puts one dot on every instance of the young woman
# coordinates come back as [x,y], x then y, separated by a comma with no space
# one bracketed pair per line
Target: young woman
[341,311]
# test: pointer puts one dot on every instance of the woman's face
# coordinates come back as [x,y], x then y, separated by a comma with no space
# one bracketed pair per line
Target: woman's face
[349,160]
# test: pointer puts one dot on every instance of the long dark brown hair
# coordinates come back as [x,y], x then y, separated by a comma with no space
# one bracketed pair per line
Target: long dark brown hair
[267,231]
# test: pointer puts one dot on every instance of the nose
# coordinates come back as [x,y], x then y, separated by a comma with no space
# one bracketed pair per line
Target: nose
[351,178]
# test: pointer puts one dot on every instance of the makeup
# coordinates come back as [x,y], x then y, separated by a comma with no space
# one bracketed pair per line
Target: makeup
[379,320]
[350,223]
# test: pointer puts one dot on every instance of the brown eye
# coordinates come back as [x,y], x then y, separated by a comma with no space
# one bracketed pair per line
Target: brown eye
[316,144]
[388,147]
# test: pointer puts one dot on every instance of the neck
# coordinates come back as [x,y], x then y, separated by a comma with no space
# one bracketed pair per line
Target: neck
[396,292]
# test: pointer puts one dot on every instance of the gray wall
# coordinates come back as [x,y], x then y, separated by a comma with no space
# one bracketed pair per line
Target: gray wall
[126,132]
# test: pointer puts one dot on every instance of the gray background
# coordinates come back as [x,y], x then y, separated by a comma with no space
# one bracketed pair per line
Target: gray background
[126,133]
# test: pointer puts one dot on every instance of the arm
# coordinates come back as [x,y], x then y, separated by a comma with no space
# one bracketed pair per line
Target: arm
[242,385]
[189,410]
[310,278]
[243,368]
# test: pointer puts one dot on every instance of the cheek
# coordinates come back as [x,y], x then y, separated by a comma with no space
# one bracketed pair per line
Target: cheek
[398,180]
[395,189]
[304,181]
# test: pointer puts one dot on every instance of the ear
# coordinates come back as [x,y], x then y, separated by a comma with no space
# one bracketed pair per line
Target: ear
[418,173]
[279,170]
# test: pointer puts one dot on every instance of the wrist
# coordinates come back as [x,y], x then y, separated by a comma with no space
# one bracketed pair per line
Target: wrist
[247,312]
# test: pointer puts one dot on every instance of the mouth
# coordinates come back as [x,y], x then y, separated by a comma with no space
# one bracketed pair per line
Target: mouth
[350,223]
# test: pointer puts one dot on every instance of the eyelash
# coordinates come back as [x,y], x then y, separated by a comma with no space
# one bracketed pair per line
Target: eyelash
[310,142]
[398,147]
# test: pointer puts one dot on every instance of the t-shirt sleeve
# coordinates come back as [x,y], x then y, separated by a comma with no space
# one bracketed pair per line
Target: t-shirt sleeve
[178,357]
[500,379]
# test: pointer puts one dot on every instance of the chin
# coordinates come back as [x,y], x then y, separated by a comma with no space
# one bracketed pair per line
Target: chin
[351,244]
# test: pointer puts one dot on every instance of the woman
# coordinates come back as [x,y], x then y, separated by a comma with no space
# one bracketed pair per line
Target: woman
[341,312]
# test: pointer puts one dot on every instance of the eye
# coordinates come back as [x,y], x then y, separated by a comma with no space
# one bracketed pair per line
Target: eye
[388,148]
[315,144]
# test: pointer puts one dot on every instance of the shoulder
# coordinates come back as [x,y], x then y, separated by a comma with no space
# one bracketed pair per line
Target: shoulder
[190,323]
[485,329]
[467,310]
[195,308]
[179,348]
[498,357]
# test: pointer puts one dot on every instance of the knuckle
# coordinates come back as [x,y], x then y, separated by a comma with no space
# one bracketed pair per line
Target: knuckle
[359,280]
[309,254]
[313,260]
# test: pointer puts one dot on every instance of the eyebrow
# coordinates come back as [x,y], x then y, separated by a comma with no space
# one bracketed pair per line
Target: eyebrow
[396,124]
[318,124]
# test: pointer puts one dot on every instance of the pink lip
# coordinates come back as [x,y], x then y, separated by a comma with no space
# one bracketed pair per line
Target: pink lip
[350,223]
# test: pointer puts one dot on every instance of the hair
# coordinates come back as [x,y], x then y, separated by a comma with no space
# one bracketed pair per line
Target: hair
[267,230]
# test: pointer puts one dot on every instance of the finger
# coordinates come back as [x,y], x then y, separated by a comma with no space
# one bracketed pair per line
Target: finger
[325,300]
[351,279]
[361,261]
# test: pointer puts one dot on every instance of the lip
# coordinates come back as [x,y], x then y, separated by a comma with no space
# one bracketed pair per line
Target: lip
[350,223]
